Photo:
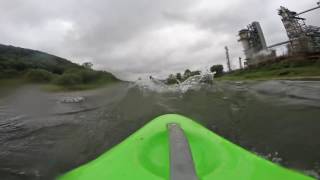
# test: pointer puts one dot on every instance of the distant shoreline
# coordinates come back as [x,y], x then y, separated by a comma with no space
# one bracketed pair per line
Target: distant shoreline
[49,87]
[285,70]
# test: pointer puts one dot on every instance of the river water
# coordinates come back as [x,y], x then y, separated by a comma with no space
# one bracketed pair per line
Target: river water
[43,134]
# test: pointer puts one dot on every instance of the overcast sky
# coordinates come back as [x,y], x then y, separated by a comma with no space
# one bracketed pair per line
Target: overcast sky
[135,38]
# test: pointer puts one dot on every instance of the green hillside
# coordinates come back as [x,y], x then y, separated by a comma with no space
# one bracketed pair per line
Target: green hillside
[33,66]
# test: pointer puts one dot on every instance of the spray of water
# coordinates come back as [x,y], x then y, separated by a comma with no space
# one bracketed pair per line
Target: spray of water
[193,82]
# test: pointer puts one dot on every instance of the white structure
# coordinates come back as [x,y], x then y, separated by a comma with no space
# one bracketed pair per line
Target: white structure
[253,42]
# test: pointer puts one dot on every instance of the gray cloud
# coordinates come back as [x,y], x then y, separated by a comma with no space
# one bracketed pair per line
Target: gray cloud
[141,37]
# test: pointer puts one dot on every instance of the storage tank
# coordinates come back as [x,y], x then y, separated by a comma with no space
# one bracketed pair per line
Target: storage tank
[244,35]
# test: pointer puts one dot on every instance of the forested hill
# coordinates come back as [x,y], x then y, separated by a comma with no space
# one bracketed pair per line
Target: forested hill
[37,66]
[20,59]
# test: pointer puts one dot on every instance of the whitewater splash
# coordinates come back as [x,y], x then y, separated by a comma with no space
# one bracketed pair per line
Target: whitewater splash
[192,83]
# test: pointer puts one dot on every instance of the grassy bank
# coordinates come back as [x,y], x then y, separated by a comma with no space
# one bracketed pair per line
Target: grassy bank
[52,87]
[72,79]
[302,69]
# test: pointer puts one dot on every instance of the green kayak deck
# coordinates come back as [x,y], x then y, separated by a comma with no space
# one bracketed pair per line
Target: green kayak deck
[148,153]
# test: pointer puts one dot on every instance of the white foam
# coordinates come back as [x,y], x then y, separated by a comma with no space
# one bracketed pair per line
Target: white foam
[193,82]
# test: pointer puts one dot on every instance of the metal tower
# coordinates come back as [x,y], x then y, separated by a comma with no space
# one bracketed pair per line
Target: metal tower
[228,58]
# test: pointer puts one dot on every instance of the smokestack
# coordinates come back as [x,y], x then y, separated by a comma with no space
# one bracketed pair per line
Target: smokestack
[228,58]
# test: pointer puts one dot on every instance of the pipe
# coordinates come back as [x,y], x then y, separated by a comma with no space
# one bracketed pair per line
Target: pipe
[303,12]
[279,44]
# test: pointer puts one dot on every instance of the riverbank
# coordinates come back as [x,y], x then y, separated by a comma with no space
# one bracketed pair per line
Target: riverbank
[52,87]
[277,72]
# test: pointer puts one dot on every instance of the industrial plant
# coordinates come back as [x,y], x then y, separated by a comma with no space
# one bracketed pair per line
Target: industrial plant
[302,39]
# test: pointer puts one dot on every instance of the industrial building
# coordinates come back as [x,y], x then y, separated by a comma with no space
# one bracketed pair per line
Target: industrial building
[254,44]
[303,39]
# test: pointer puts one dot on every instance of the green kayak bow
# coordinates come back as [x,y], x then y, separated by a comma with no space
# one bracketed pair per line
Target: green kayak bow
[177,148]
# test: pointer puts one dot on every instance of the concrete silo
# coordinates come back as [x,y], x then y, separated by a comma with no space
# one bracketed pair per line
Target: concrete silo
[253,42]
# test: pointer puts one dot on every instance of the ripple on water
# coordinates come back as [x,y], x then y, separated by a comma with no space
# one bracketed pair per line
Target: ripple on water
[260,115]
